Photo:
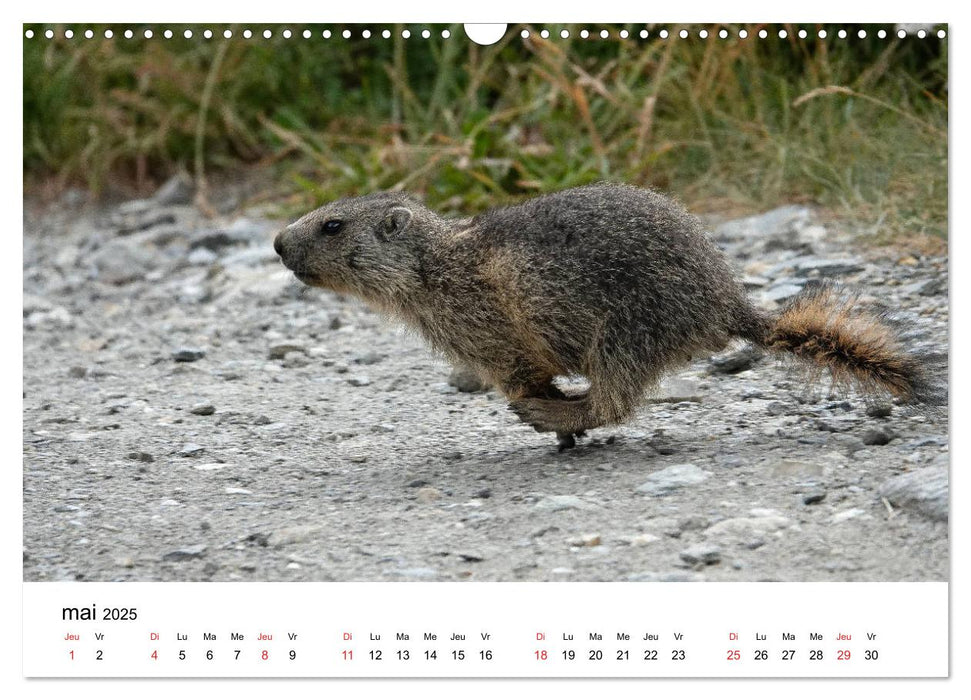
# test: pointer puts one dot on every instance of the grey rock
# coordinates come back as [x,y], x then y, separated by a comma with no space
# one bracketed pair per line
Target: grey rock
[139,456]
[242,232]
[140,215]
[676,390]
[369,358]
[835,425]
[119,263]
[704,553]
[253,256]
[186,553]
[813,497]
[134,207]
[879,410]
[279,351]
[67,258]
[466,380]
[359,380]
[202,256]
[295,359]
[428,494]
[58,318]
[188,354]
[928,441]
[877,436]
[796,468]
[735,361]
[693,522]
[195,294]
[203,409]
[925,490]
[191,449]
[556,503]
[672,478]
[848,514]
[33,303]
[295,534]
[213,241]
[782,292]
[933,287]
[759,522]
[782,225]
[588,540]
[828,267]
[252,231]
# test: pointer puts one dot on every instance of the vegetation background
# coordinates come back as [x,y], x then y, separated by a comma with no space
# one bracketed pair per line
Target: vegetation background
[857,125]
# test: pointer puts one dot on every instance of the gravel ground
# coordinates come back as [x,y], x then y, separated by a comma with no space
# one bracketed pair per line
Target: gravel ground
[191,412]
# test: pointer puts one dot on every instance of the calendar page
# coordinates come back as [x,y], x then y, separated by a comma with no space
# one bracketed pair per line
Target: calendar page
[436,350]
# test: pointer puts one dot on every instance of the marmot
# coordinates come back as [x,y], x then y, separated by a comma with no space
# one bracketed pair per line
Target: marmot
[614,283]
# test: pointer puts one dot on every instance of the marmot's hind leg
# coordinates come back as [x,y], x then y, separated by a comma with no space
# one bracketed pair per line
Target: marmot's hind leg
[538,401]
[569,416]
[612,398]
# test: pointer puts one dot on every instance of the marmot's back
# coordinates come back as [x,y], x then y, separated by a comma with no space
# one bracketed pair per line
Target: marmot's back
[620,256]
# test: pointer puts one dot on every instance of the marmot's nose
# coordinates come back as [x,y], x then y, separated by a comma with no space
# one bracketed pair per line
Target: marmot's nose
[278,243]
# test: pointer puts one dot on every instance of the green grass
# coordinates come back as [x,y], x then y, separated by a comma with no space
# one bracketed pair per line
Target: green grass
[858,126]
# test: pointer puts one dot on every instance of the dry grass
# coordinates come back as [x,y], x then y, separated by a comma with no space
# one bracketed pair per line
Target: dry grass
[856,125]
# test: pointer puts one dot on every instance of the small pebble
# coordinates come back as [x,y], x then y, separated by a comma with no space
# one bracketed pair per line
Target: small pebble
[185,553]
[701,554]
[590,540]
[428,494]
[280,350]
[879,410]
[467,381]
[876,437]
[191,449]
[188,354]
[813,497]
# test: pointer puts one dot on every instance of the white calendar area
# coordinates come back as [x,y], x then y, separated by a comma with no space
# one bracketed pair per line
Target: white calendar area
[486,630]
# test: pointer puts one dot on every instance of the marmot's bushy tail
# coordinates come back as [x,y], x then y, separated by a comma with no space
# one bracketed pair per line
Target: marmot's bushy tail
[825,326]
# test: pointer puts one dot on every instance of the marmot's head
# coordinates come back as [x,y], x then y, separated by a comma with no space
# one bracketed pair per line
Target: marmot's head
[370,246]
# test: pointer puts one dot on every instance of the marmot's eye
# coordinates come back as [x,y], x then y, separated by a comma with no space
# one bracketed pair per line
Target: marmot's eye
[331,227]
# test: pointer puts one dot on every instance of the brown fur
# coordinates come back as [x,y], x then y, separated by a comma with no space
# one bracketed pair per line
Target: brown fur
[613,283]
[826,327]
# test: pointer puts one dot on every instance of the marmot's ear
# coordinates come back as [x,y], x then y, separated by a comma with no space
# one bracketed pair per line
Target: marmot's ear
[396,221]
